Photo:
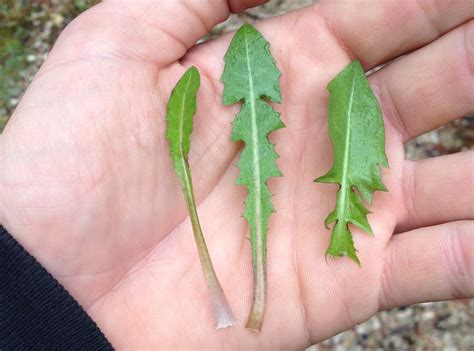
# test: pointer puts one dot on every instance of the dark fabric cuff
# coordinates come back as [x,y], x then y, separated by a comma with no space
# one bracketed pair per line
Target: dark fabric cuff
[36,312]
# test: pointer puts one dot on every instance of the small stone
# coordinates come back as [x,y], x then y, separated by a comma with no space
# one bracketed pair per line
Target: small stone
[428,315]
[57,19]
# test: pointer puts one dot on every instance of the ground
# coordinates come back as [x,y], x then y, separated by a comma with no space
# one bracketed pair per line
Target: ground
[28,29]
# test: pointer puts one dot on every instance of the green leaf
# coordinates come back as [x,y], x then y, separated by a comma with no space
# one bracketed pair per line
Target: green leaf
[357,133]
[180,113]
[250,75]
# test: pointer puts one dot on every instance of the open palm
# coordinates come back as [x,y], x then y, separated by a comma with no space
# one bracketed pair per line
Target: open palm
[87,184]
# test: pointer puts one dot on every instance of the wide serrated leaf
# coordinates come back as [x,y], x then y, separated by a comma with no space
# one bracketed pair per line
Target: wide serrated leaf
[250,74]
[180,113]
[357,133]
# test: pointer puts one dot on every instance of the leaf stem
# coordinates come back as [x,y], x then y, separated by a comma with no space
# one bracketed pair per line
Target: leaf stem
[255,319]
[222,312]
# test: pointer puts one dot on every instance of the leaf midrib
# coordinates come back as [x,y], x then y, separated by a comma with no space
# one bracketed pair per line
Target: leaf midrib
[187,176]
[255,151]
[345,162]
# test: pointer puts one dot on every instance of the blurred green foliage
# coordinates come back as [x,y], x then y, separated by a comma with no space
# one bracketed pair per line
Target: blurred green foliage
[27,30]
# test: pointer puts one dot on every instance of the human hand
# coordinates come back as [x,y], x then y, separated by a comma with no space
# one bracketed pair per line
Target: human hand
[87,184]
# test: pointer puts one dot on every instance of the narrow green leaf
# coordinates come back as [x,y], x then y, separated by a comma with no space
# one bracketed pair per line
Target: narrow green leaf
[180,113]
[357,133]
[250,74]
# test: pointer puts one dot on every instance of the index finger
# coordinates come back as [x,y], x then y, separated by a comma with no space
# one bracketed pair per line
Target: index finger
[375,31]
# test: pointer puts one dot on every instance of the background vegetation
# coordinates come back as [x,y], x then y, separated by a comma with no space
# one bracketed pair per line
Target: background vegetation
[27,31]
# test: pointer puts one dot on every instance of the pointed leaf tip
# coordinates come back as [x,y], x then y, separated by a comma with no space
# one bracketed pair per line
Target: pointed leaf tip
[249,63]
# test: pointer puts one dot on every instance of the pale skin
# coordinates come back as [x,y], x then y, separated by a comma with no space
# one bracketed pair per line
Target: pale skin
[87,184]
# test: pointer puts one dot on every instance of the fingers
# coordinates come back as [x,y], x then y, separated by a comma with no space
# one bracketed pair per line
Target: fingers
[431,86]
[438,190]
[429,264]
[158,31]
[377,31]
[237,6]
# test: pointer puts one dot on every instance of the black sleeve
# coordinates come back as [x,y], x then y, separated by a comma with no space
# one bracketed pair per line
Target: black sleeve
[36,313]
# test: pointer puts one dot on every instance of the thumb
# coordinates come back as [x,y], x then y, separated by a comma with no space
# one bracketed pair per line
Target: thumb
[155,31]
